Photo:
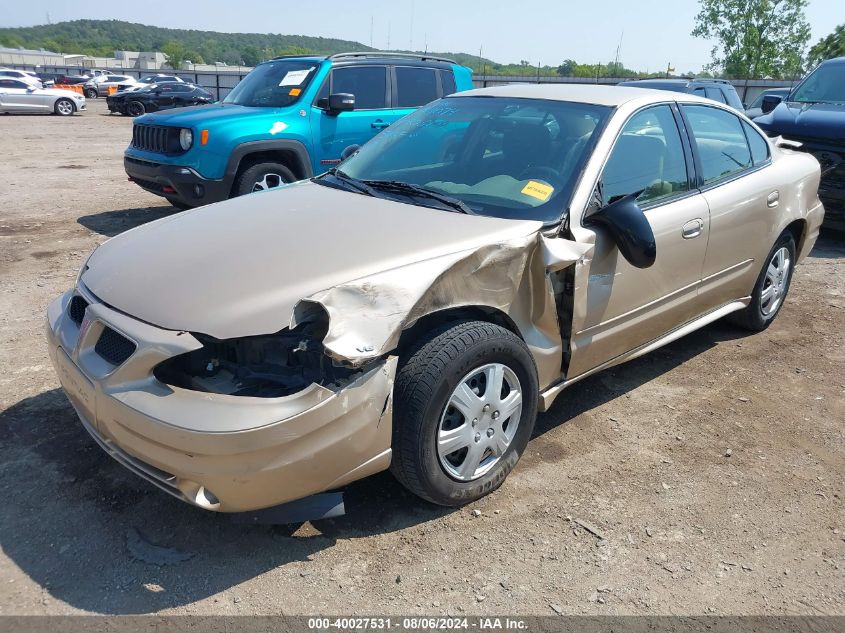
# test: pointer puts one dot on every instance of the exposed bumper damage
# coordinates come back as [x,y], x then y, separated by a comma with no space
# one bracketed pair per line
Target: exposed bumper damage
[368,315]
[219,452]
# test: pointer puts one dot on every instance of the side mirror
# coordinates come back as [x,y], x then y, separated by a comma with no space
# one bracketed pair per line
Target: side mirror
[341,102]
[629,228]
[770,102]
[348,151]
[30,89]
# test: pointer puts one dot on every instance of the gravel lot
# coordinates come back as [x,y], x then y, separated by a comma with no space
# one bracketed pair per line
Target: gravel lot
[704,478]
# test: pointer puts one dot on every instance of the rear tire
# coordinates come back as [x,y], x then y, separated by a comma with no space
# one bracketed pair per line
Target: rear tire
[64,107]
[447,447]
[91,93]
[135,108]
[261,177]
[771,288]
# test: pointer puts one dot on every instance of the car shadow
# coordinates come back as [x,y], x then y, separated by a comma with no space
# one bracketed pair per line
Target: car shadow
[111,223]
[69,509]
[831,244]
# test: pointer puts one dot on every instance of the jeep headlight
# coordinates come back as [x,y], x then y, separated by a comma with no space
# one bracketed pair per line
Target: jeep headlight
[186,139]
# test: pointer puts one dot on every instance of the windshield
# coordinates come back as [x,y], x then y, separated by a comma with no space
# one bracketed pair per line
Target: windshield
[826,84]
[274,84]
[508,158]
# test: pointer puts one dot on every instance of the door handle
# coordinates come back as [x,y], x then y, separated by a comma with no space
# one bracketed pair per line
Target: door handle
[378,124]
[692,228]
[773,199]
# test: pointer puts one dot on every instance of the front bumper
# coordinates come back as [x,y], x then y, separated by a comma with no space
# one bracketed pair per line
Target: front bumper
[175,182]
[222,453]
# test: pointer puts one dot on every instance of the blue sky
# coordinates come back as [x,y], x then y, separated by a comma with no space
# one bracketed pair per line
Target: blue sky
[656,32]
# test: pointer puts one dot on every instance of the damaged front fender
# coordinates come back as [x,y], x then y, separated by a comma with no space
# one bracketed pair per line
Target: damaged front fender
[367,316]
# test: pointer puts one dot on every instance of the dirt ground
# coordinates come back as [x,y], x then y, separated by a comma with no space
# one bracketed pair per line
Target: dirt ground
[712,469]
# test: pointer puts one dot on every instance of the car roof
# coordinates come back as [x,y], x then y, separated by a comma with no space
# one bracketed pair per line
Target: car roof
[834,60]
[577,93]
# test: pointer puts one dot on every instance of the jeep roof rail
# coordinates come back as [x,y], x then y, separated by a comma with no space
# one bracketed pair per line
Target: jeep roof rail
[419,56]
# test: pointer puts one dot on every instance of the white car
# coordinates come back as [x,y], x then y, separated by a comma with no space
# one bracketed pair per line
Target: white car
[21,75]
[18,96]
[146,82]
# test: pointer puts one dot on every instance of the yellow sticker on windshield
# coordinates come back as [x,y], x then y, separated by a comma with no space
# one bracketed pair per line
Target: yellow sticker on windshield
[538,190]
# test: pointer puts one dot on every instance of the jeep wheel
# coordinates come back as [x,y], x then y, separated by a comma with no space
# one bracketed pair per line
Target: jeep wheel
[465,405]
[135,108]
[263,176]
[91,93]
[64,107]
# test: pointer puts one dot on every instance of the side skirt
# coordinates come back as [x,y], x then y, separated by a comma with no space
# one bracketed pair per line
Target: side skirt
[548,396]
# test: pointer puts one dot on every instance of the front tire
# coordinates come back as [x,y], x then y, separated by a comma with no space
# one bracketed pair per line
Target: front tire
[771,288]
[135,108]
[464,410]
[91,93]
[261,177]
[64,107]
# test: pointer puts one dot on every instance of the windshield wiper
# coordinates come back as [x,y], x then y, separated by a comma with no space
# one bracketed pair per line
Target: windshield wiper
[421,192]
[349,181]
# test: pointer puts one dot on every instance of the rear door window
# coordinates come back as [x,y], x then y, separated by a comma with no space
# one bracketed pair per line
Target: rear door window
[415,86]
[759,146]
[720,139]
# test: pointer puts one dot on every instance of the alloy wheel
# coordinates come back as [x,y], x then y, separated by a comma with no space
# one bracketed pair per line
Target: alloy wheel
[64,107]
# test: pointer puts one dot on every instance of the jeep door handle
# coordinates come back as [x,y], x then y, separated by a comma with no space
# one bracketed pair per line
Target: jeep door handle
[692,228]
[378,124]
[772,199]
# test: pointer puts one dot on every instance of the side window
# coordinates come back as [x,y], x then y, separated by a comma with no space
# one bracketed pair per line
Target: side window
[447,78]
[415,86]
[13,83]
[367,83]
[759,146]
[715,94]
[699,92]
[177,87]
[721,143]
[113,78]
[648,156]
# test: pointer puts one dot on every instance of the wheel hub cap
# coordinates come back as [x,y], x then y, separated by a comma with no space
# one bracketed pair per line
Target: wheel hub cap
[270,181]
[489,397]
[774,285]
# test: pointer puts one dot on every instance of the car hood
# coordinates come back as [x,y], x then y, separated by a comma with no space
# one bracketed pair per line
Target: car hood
[239,267]
[206,115]
[820,120]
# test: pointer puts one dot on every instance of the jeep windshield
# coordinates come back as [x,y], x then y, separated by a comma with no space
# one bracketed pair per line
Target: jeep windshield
[825,85]
[274,84]
[501,157]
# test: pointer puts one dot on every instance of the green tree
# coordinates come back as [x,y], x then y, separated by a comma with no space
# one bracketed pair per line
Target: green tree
[831,46]
[175,54]
[754,38]
[567,68]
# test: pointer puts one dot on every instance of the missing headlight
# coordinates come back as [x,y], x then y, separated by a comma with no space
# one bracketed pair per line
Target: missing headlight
[269,366]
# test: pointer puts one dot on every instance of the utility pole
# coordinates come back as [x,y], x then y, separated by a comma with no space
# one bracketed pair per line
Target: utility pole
[371,31]
[388,35]
[538,71]
[411,47]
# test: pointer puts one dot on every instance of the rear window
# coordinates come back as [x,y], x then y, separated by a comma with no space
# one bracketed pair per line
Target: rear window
[759,146]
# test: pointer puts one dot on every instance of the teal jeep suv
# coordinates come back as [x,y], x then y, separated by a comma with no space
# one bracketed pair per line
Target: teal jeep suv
[290,118]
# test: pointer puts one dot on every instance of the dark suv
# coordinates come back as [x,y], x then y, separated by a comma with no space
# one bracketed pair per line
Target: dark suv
[813,114]
[716,89]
